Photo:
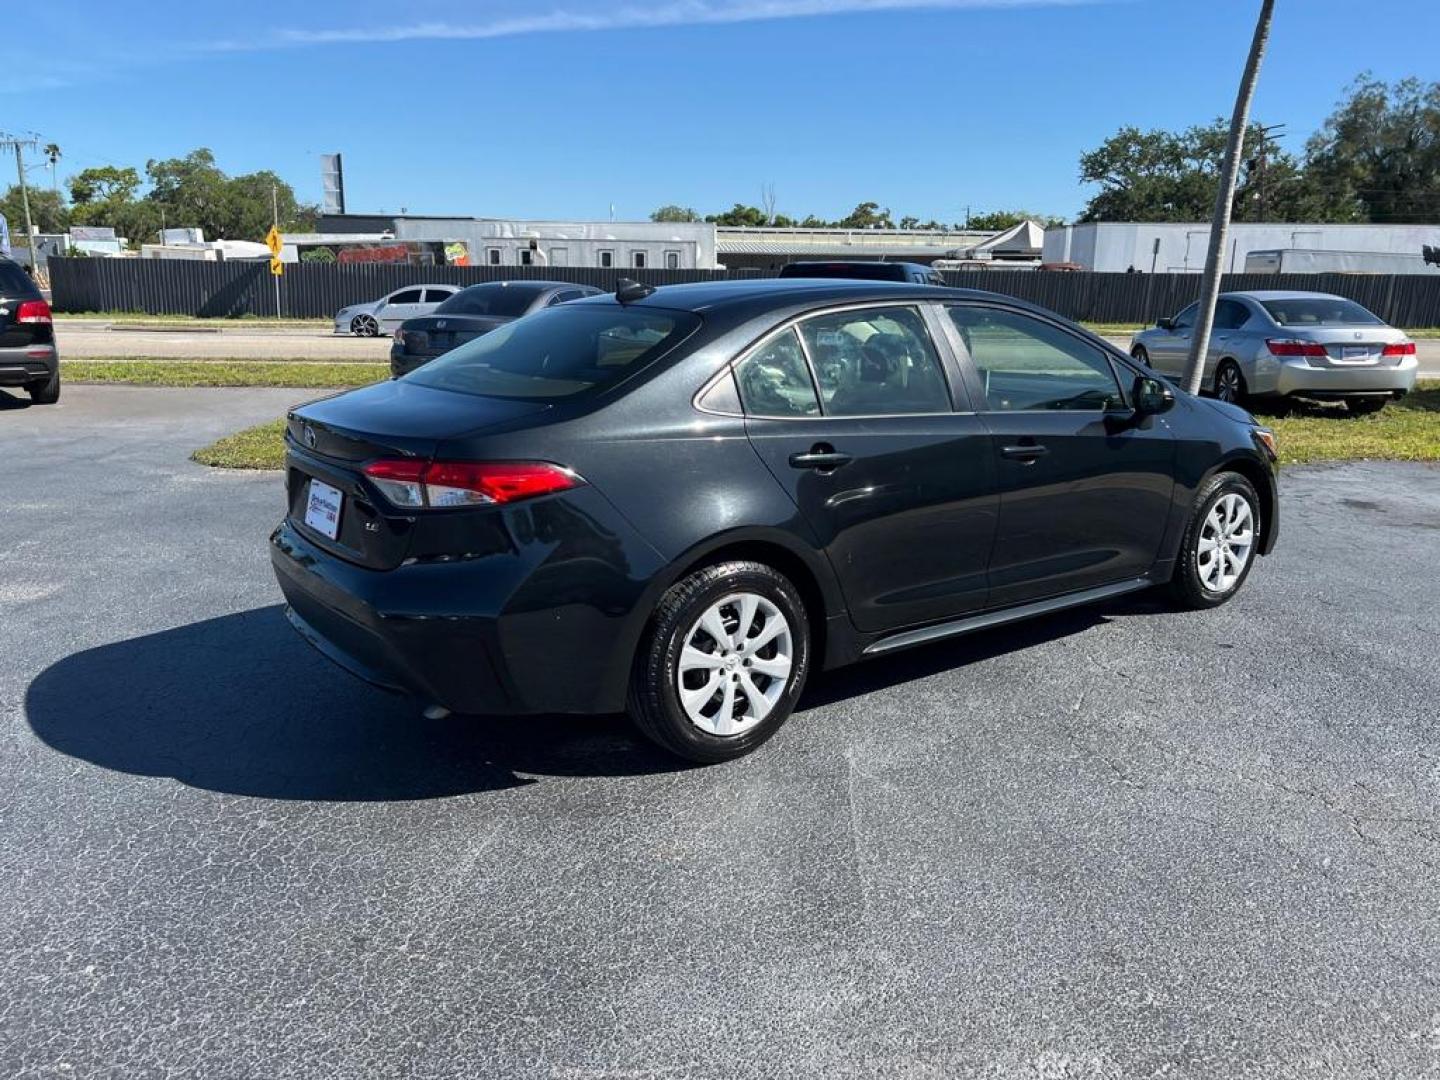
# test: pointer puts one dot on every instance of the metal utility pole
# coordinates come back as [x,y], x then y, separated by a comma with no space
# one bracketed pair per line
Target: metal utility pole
[1210,285]
[18,145]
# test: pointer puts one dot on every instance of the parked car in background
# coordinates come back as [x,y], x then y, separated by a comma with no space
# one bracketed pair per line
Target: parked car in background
[472,312]
[865,270]
[1274,344]
[383,316]
[682,501]
[28,356]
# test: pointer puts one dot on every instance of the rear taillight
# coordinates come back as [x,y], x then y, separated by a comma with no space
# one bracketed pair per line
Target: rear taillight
[1294,347]
[33,311]
[440,484]
[1404,348]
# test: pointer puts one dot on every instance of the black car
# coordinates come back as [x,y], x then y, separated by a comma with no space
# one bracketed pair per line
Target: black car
[28,357]
[472,312]
[681,501]
[865,270]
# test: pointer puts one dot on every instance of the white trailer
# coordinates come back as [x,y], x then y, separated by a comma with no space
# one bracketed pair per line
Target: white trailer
[1311,261]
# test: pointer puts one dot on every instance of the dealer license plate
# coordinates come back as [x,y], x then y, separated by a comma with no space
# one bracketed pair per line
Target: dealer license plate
[322,509]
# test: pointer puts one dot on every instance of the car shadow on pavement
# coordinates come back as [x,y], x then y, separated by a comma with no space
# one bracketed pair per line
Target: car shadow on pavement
[239,704]
[13,401]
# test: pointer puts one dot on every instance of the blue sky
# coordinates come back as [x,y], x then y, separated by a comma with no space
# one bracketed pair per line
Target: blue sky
[561,108]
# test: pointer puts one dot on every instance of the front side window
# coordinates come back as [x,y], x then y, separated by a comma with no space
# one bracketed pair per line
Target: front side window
[1026,364]
[558,352]
[775,380]
[876,361]
[1186,319]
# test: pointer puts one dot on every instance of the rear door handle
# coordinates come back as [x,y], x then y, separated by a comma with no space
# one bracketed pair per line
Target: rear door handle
[1026,454]
[821,457]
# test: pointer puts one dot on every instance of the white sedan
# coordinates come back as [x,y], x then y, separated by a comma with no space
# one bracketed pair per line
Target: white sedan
[385,315]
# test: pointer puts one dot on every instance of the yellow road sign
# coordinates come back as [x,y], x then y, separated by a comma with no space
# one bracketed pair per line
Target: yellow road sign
[273,241]
[277,267]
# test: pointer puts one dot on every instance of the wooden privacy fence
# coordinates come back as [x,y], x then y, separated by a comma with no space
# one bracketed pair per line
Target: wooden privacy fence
[311,290]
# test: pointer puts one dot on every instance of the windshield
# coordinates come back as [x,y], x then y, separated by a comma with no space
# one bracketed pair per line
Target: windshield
[559,352]
[505,301]
[1319,311]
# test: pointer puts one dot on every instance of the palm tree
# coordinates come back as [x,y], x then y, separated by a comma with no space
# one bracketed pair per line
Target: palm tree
[52,153]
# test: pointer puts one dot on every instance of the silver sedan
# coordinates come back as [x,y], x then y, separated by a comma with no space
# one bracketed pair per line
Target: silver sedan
[383,316]
[1273,344]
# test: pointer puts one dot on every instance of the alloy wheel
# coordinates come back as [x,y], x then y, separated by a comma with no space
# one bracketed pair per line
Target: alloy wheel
[734,664]
[1227,383]
[1226,542]
[364,326]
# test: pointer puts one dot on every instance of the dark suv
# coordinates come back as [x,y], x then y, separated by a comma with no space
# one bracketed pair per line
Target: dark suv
[865,270]
[28,356]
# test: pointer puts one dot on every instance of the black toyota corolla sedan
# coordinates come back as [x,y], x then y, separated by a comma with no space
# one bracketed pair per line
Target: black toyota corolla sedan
[680,501]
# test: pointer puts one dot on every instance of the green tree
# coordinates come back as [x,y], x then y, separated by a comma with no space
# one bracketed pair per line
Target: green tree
[673,212]
[47,210]
[106,195]
[999,220]
[867,215]
[1377,157]
[740,214]
[105,184]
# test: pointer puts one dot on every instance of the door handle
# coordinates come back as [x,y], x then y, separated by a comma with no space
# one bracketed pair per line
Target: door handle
[821,457]
[1027,454]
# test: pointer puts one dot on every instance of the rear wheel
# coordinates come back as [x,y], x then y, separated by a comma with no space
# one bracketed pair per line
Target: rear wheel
[1229,383]
[723,663]
[1364,406]
[1219,544]
[47,392]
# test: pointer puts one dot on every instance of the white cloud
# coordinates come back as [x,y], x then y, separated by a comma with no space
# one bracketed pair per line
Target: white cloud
[633,16]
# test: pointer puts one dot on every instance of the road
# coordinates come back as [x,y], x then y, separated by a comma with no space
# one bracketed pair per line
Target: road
[82,338]
[1113,843]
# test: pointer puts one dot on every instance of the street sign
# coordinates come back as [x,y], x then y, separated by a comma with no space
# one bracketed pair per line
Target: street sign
[273,241]
[277,267]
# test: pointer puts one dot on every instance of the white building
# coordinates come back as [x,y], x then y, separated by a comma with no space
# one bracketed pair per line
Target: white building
[1167,247]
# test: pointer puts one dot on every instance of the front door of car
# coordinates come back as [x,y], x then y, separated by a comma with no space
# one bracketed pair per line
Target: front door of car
[852,413]
[1084,487]
[405,304]
[1170,348]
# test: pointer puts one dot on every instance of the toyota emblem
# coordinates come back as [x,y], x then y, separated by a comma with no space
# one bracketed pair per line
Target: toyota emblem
[309,436]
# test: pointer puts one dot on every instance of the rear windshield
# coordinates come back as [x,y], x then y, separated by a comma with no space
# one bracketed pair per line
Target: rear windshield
[860,272]
[15,282]
[1319,311]
[505,301]
[559,352]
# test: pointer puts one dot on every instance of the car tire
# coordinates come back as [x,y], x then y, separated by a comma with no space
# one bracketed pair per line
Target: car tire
[1365,406]
[45,393]
[364,326]
[1216,528]
[1230,383]
[1140,355]
[698,618]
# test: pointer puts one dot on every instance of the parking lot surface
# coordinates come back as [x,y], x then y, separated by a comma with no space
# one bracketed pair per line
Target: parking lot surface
[1116,842]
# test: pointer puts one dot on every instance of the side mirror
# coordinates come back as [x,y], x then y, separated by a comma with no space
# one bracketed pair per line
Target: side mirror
[1165,324]
[1151,396]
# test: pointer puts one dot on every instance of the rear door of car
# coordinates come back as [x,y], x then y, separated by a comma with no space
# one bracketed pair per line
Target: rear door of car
[859,414]
[399,306]
[1084,488]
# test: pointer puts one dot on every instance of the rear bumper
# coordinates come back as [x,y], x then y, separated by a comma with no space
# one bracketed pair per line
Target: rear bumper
[30,364]
[1300,378]
[505,634]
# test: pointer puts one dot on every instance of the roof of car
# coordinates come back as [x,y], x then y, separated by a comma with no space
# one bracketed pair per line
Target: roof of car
[527,285]
[759,293]
[1283,294]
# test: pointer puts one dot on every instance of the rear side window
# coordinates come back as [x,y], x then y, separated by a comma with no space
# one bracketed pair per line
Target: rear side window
[559,352]
[15,282]
[438,296]
[409,296]
[775,380]
[1319,311]
[502,301]
[1026,364]
[1230,315]
[877,361]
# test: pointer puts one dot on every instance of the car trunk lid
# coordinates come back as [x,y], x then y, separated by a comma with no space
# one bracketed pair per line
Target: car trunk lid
[435,334]
[1351,346]
[330,442]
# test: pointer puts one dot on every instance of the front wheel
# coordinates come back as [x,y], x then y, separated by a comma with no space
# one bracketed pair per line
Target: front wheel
[723,663]
[1141,356]
[1219,544]
[364,326]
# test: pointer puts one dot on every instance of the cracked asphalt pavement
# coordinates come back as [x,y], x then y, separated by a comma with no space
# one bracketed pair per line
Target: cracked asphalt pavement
[1118,842]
